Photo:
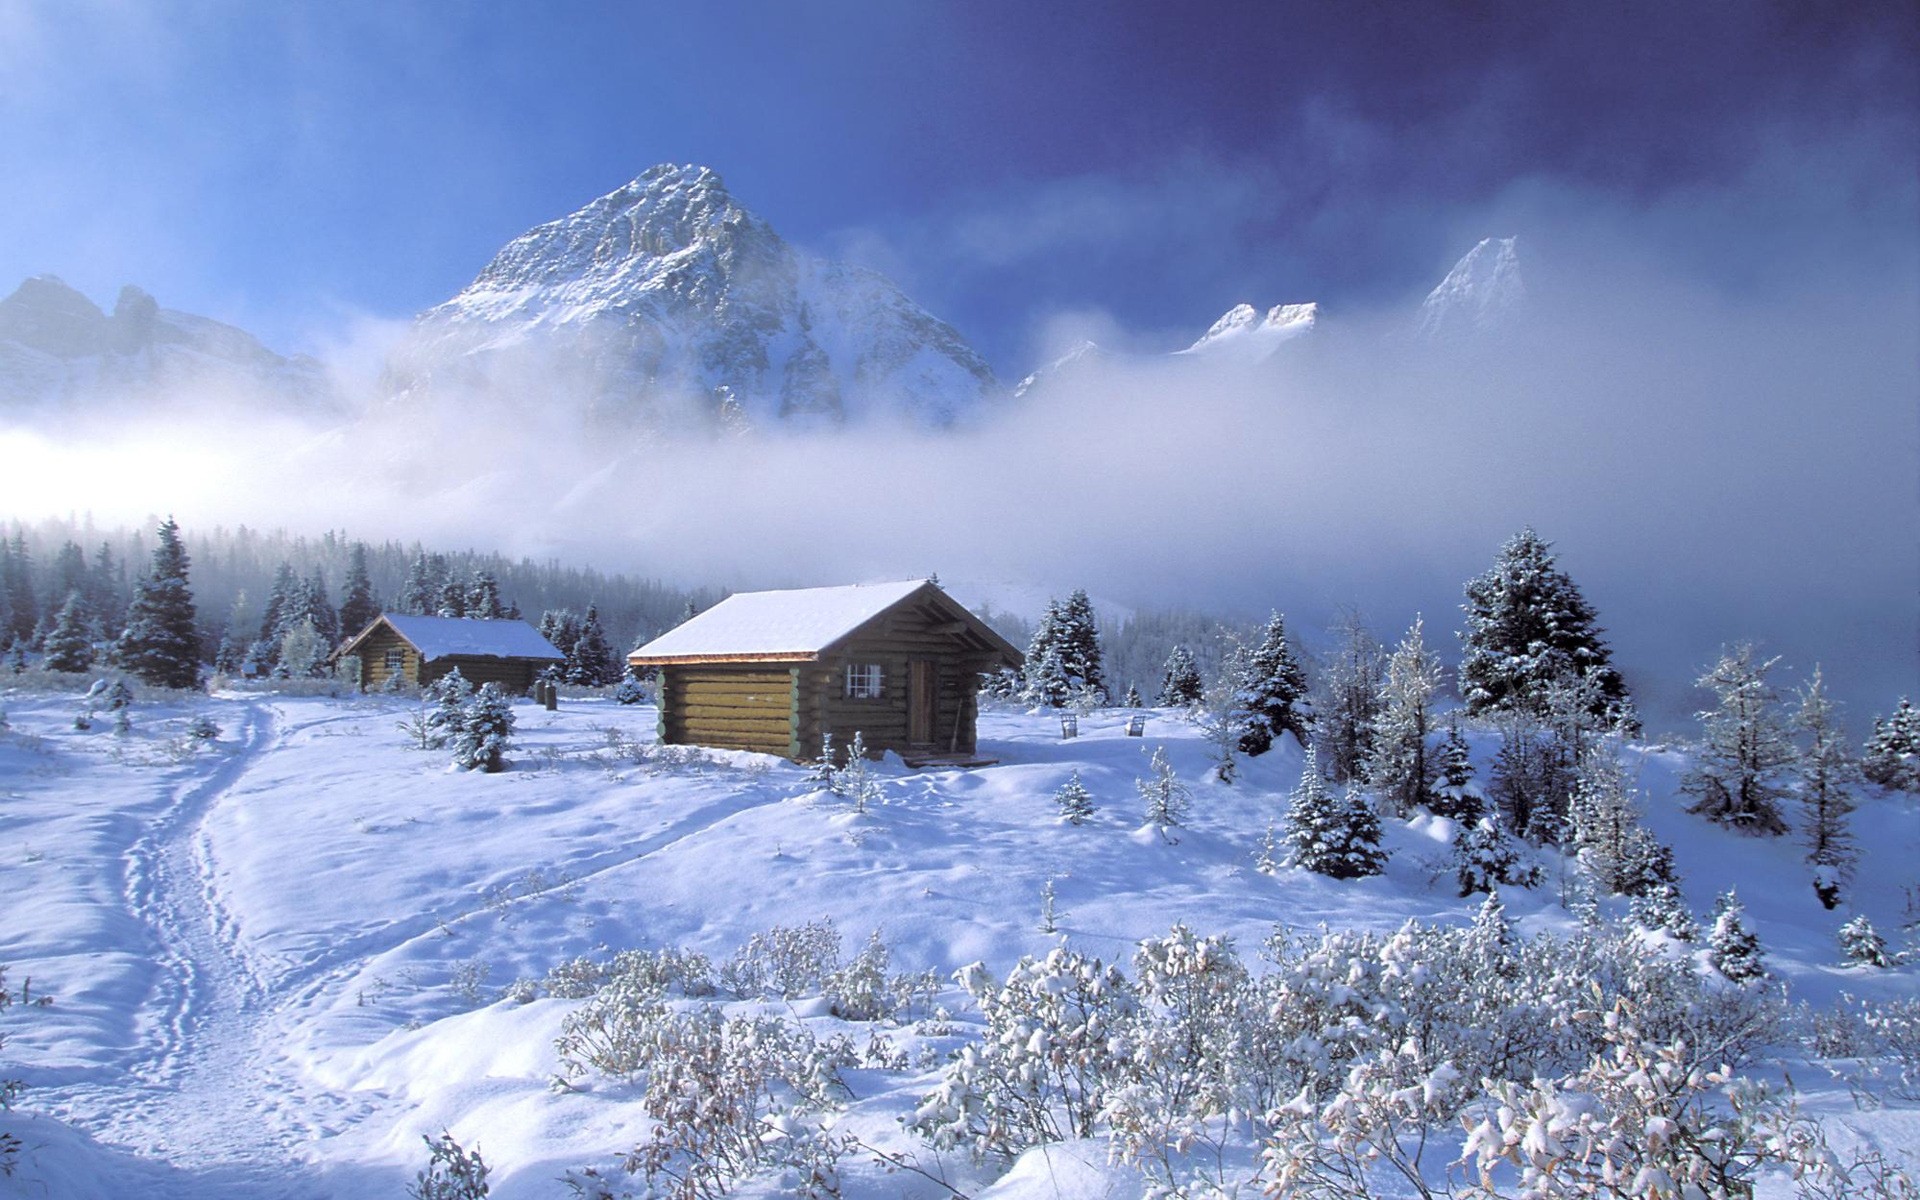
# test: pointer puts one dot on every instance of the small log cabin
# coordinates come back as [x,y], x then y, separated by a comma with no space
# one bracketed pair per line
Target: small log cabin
[899,663]
[422,649]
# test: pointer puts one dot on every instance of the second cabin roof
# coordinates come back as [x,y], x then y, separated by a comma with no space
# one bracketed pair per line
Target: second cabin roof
[796,625]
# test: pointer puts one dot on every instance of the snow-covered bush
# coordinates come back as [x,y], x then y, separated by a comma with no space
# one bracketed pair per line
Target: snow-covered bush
[859,991]
[1861,945]
[1894,1028]
[611,1032]
[855,781]
[784,961]
[1047,1063]
[452,1172]
[629,690]
[203,728]
[485,731]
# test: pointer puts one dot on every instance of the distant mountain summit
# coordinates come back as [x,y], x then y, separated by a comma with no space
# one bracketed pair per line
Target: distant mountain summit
[1244,335]
[1482,294]
[59,351]
[666,300]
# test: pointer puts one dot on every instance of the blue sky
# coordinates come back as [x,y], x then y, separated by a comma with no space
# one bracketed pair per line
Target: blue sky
[287,166]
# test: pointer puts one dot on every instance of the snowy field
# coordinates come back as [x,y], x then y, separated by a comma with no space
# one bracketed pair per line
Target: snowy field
[281,957]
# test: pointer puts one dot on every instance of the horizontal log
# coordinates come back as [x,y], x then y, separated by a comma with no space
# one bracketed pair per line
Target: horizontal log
[783,684]
[748,712]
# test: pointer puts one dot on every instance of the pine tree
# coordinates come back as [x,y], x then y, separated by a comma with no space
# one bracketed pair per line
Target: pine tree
[1736,778]
[561,627]
[483,597]
[16,587]
[358,608]
[1484,858]
[1180,687]
[589,658]
[1165,797]
[66,576]
[1339,838]
[1080,646]
[630,690]
[316,608]
[446,698]
[106,589]
[1221,715]
[1891,757]
[232,654]
[1732,948]
[1074,801]
[1273,692]
[1457,794]
[1532,782]
[159,645]
[1349,703]
[1827,773]
[452,600]
[1861,945]
[1063,658]
[1399,767]
[1602,819]
[420,594]
[1528,625]
[1132,698]
[486,730]
[285,595]
[68,647]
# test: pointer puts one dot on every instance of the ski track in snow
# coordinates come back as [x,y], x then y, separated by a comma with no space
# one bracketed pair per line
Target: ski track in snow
[205,1090]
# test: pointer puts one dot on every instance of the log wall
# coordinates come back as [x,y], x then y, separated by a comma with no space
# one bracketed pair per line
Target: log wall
[730,707]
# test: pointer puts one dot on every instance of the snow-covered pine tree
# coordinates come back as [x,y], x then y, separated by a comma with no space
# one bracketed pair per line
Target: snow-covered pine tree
[282,596]
[1602,818]
[1485,858]
[1527,625]
[68,646]
[1827,772]
[17,657]
[232,654]
[1063,659]
[1348,703]
[303,654]
[452,600]
[446,699]
[1180,686]
[1220,715]
[483,596]
[1335,837]
[590,658]
[1732,948]
[1080,645]
[107,593]
[630,690]
[1165,797]
[159,644]
[1074,801]
[1456,793]
[1891,757]
[1861,945]
[420,594]
[1044,676]
[1273,691]
[21,607]
[315,607]
[561,627]
[358,608]
[1737,777]
[486,730]
[1132,698]
[1399,767]
[1531,782]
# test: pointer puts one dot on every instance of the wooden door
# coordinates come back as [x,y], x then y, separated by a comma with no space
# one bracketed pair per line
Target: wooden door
[923,677]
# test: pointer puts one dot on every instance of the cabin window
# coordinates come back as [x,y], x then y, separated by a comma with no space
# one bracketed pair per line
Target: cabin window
[396,660]
[863,681]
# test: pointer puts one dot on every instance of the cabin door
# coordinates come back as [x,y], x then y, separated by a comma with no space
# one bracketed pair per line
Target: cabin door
[923,677]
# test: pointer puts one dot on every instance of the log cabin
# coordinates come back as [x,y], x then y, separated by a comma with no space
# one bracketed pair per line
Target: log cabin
[422,649]
[899,663]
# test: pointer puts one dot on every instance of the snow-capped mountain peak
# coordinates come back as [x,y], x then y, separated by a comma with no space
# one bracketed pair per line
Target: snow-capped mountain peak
[1244,333]
[666,295]
[1482,293]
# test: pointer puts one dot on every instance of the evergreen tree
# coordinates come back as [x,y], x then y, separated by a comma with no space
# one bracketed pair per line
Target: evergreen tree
[106,589]
[1165,797]
[1063,659]
[1457,794]
[1399,766]
[317,609]
[420,594]
[1532,781]
[1339,838]
[1891,757]
[486,730]
[159,645]
[67,576]
[1132,698]
[358,608]
[452,601]
[1827,773]
[1080,645]
[1074,801]
[286,594]
[1485,858]
[1221,714]
[561,627]
[1732,948]
[17,658]
[303,652]
[1603,823]
[1349,702]
[68,646]
[1273,691]
[1861,945]
[1527,626]
[16,587]
[1736,778]
[1180,687]
[590,659]
[232,654]
[446,698]
[630,690]
[483,597]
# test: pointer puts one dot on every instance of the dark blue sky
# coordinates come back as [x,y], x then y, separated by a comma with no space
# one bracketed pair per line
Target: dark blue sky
[286,166]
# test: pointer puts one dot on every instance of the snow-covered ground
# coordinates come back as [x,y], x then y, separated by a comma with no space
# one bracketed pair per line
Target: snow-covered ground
[279,957]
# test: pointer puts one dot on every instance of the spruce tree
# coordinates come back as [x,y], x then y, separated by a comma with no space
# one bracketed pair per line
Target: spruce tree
[316,608]
[1063,658]
[159,645]
[420,594]
[358,608]
[1861,945]
[1349,702]
[232,654]
[1737,778]
[16,587]
[1827,772]
[1527,626]
[561,627]
[286,594]
[68,646]
[483,597]
[1603,822]
[106,589]
[1456,793]
[1180,687]
[1532,781]
[1165,797]
[590,659]
[1891,757]
[1132,698]
[1273,691]
[1399,767]
[1074,801]
[1732,948]
[1080,645]
[1335,837]
[486,730]
[630,689]
[452,601]
[1485,858]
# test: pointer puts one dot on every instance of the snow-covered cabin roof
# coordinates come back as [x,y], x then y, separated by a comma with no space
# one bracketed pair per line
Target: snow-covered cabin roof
[468,637]
[791,626]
